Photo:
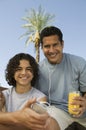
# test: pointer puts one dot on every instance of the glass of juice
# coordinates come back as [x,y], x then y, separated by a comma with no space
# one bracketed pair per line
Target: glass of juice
[70,99]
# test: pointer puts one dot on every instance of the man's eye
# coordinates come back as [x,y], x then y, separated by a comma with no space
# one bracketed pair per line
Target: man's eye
[46,46]
[57,44]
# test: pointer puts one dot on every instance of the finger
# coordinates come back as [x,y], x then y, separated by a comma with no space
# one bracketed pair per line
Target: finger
[1,94]
[78,115]
[78,101]
[82,108]
[39,117]
[79,112]
[36,118]
[78,98]
[39,124]
[30,102]
[37,127]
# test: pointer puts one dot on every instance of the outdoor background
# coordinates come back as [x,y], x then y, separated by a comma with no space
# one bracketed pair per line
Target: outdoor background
[70,17]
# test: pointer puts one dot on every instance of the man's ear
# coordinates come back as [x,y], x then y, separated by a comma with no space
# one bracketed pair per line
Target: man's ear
[62,43]
[41,46]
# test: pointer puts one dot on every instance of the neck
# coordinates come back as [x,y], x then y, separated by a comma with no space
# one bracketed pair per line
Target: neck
[60,59]
[22,89]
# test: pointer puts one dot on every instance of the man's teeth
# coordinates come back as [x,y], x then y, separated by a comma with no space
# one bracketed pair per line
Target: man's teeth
[52,55]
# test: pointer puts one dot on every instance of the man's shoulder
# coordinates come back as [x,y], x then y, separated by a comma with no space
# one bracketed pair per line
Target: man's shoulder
[42,63]
[75,60]
[74,57]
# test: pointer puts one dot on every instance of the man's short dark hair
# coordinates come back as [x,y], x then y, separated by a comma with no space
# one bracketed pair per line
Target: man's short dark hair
[51,30]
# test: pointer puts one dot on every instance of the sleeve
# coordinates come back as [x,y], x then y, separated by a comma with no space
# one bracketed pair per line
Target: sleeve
[38,94]
[82,76]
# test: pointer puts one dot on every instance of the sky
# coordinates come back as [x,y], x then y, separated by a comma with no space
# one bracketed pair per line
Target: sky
[70,17]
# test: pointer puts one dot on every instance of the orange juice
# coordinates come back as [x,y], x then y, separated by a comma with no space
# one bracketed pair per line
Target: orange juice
[70,99]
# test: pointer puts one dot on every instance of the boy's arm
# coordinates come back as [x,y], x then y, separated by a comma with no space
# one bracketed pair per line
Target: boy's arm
[24,117]
[2,102]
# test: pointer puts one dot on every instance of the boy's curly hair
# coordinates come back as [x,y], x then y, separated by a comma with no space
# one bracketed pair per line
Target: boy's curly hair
[14,63]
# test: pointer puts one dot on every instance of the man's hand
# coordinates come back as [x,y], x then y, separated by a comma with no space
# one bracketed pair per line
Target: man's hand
[81,101]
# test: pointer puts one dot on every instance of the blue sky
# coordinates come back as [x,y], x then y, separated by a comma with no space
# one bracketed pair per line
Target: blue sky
[70,17]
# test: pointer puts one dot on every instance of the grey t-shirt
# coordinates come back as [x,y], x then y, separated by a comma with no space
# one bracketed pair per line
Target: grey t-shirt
[15,101]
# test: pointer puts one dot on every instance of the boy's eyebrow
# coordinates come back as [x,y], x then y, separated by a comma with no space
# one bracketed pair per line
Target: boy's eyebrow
[29,67]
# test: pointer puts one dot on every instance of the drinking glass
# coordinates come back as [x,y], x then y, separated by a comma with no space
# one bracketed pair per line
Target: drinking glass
[72,94]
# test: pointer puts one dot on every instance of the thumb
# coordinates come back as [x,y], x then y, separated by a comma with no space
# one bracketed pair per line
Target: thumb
[30,102]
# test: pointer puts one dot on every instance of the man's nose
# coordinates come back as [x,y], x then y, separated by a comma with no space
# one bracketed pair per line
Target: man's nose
[51,49]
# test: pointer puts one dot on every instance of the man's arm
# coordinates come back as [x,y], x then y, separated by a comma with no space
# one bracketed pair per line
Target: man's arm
[83,94]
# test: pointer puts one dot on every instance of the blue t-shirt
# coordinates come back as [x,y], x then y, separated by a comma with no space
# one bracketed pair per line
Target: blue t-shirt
[56,81]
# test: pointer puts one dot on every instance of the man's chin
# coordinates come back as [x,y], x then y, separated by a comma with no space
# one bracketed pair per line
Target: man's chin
[52,61]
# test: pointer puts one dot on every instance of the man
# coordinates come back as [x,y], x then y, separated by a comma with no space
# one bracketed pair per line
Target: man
[61,73]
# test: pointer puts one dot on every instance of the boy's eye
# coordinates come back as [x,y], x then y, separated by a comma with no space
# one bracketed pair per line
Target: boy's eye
[30,69]
[18,69]
[26,69]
